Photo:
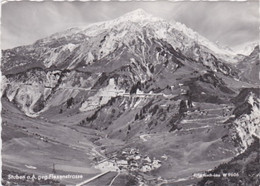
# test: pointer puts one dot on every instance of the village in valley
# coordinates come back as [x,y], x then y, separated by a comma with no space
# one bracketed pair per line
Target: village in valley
[129,161]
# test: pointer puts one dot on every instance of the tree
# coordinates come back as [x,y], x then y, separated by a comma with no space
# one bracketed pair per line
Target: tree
[135,87]
[136,117]
[183,107]
[69,102]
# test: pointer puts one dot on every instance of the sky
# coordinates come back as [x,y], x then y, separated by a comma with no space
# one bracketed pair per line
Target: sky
[230,23]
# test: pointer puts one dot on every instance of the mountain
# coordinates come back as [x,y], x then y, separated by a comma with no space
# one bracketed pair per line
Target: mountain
[245,167]
[135,42]
[249,67]
[246,48]
[137,94]
[86,45]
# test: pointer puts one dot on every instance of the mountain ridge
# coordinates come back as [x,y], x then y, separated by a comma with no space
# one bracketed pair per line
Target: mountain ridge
[55,48]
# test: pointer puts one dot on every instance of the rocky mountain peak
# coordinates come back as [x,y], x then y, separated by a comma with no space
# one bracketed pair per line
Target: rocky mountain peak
[138,15]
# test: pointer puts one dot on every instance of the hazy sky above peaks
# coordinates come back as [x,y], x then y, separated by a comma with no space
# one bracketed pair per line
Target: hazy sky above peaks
[230,23]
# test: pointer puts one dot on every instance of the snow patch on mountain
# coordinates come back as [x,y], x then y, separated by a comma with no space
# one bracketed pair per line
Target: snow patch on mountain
[139,16]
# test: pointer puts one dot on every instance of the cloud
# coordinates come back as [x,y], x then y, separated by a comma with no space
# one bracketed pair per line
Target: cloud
[227,22]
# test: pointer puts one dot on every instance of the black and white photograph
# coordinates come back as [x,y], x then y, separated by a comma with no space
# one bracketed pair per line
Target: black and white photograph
[130,93]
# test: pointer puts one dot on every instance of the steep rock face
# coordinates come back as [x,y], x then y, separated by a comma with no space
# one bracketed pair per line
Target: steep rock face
[25,89]
[36,90]
[247,121]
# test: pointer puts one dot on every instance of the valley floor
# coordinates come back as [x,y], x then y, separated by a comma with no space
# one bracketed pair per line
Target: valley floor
[41,146]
